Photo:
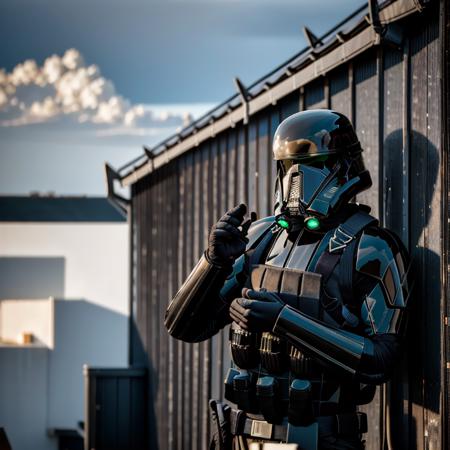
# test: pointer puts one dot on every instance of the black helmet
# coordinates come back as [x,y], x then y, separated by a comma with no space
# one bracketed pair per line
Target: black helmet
[319,164]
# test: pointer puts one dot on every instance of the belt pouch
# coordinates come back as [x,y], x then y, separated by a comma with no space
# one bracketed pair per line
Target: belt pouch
[243,391]
[229,388]
[300,411]
[300,365]
[267,393]
[273,353]
[244,347]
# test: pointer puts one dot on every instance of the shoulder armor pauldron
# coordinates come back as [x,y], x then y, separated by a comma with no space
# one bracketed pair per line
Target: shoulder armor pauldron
[382,256]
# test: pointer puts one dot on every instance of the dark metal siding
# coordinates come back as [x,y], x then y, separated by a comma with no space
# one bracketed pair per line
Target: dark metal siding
[393,97]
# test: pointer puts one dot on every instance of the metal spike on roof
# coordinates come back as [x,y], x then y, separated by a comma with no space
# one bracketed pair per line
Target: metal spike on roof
[148,152]
[243,92]
[245,97]
[313,40]
[120,202]
[375,17]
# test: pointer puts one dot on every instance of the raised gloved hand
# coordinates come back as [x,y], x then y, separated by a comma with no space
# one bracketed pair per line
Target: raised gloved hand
[227,241]
[256,310]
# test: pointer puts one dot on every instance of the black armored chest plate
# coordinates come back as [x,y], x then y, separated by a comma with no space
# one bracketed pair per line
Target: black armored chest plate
[265,362]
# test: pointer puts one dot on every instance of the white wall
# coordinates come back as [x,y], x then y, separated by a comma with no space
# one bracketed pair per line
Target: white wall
[96,257]
[23,397]
[90,324]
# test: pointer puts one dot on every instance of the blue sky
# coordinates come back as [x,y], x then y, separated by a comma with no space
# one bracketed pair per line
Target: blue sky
[172,56]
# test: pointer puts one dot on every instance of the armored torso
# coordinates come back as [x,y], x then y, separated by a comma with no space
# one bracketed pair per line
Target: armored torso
[271,377]
[274,379]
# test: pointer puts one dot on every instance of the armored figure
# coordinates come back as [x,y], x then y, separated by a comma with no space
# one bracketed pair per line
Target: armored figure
[316,296]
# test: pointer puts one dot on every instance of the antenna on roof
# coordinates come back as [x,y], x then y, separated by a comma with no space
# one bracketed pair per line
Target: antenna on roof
[313,40]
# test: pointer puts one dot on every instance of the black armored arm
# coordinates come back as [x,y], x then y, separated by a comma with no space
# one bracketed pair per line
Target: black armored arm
[200,308]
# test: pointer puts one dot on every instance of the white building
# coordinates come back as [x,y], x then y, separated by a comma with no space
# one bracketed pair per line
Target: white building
[63,304]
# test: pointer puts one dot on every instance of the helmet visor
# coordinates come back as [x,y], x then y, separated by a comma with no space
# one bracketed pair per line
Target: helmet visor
[322,162]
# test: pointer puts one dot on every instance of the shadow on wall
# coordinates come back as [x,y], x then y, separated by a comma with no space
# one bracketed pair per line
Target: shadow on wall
[32,277]
[42,388]
[416,384]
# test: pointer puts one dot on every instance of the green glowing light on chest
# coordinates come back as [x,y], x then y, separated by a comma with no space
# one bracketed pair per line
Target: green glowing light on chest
[312,223]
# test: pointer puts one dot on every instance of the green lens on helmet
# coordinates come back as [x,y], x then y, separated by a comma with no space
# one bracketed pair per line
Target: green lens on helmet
[312,223]
[283,223]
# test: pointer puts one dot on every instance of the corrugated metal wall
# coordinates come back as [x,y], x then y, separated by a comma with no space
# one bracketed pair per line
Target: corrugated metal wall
[393,97]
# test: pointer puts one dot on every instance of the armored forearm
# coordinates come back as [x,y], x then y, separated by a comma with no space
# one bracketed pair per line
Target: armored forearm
[369,360]
[200,308]
[197,311]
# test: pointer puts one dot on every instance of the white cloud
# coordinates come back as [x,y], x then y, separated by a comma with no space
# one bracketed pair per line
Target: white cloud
[26,73]
[45,109]
[72,59]
[53,68]
[65,88]
[111,111]
[3,98]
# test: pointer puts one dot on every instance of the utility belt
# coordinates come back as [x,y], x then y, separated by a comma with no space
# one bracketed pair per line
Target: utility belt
[277,397]
[228,422]
[345,424]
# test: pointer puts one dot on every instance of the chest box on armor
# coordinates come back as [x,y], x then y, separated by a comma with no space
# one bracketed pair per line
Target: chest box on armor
[296,288]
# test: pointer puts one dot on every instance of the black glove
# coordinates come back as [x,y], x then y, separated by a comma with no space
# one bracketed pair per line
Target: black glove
[226,241]
[257,311]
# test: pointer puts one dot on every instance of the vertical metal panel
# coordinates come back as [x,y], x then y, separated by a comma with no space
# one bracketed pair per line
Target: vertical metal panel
[395,209]
[315,94]
[189,263]
[340,91]
[222,187]
[367,120]
[290,105]
[434,305]
[172,278]
[232,169]
[367,110]
[196,348]
[391,94]
[425,190]
[393,151]
[445,133]
[180,345]
[264,166]
[206,378]
[242,163]
[252,164]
